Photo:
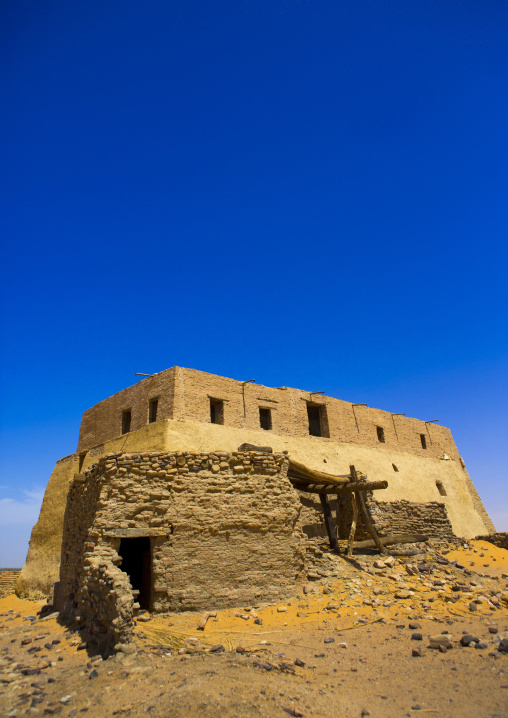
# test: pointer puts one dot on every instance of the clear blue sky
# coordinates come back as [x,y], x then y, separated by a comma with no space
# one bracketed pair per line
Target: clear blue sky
[311,193]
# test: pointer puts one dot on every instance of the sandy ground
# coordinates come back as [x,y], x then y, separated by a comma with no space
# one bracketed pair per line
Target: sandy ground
[345,648]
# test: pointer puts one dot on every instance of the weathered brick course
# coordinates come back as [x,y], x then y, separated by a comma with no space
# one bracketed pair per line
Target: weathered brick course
[186,393]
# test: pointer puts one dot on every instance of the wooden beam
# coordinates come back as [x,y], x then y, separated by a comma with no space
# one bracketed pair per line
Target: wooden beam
[329,523]
[297,470]
[390,540]
[314,488]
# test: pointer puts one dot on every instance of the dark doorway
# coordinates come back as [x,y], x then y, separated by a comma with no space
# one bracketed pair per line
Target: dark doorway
[216,411]
[137,563]
[126,421]
[265,419]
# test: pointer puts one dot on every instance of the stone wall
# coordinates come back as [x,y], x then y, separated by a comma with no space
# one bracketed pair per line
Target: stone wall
[8,578]
[498,539]
[396,517]
[186,393]
[311,517]
[224,530]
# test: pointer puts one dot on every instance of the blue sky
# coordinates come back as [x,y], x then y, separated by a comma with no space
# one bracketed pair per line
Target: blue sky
[310,193]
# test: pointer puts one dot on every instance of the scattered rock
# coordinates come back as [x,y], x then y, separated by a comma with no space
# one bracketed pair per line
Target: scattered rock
[416,653]
[218,648]
[503,645]
[441,639]
[416,637]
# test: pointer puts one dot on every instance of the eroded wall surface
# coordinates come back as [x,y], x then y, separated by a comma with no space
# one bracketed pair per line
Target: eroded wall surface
[224,530]
[410,477]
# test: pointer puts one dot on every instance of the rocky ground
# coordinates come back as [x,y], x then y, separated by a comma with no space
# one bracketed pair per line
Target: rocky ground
[409,634]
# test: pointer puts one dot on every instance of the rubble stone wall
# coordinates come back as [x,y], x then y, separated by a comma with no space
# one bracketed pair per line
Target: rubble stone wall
[498,539]
[224,530]
[311,518]
[396,517]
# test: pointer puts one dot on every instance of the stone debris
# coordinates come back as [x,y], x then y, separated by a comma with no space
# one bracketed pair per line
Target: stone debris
[444,640]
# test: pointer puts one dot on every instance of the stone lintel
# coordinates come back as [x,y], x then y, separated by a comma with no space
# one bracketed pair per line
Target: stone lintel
[136,533]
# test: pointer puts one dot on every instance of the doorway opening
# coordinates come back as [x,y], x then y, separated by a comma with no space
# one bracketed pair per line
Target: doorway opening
[216,411]
[136,556]
[265,419]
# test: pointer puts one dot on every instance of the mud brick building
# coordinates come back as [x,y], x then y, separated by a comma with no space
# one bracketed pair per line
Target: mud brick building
[157,489]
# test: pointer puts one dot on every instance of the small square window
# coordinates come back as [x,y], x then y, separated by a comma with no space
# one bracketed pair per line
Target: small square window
[380,434]
[126,421]
[265,419]
[423,439]
[152,410]
[216,411]
[441,488]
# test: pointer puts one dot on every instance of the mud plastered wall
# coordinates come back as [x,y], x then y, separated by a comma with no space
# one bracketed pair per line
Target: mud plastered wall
[224,531]
[396,517]
[186,394]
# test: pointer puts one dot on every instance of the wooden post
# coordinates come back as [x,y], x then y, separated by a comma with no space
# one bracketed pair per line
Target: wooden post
[329,523]
[368,522]
[353,525]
